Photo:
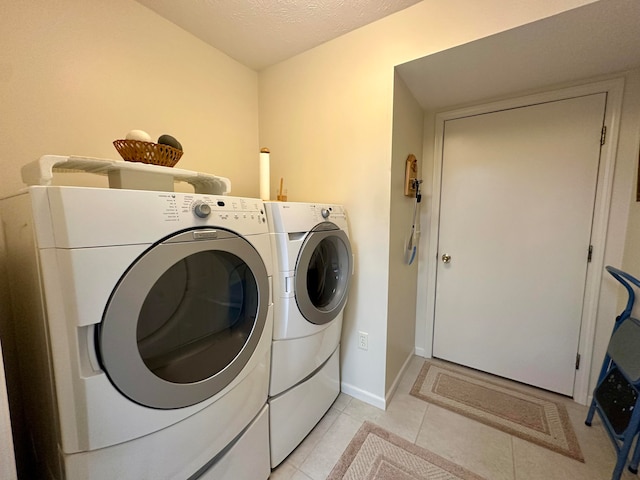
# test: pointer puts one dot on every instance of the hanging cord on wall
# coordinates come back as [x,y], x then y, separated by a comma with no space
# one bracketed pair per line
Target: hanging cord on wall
[412,243]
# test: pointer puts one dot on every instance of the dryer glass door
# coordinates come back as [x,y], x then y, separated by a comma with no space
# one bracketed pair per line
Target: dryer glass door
[185,318]
[323,273]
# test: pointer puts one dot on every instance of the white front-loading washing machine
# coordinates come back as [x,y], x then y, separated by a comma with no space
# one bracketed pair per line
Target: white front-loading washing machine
[313,265]
[143,327]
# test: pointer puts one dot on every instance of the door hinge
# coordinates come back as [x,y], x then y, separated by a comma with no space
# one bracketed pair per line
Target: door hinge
[590,254]
[577,361]
[603,135]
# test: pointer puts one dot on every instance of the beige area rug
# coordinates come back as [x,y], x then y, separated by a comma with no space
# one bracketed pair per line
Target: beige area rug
[537,420]
[376,454]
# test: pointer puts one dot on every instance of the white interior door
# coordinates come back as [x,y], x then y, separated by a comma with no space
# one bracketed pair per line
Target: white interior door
[516,209]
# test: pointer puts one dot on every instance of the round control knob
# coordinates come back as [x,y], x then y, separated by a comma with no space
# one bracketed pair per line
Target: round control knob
[325,213]
[201,209]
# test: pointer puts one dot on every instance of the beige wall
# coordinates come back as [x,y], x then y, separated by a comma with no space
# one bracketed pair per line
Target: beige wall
[77,74]
[326,115]
[401,310]
[631,261]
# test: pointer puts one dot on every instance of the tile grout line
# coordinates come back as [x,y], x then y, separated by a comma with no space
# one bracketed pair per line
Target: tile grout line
[424,416]
[327,431]
[513,458]
[297,467]
[340,412]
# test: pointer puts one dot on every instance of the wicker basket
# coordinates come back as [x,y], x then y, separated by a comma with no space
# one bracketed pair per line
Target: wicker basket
[147,152]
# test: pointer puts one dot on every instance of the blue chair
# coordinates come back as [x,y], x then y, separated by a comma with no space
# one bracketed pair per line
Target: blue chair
[616,397]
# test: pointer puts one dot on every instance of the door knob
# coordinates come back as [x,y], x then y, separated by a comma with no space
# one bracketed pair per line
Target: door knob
[446,258]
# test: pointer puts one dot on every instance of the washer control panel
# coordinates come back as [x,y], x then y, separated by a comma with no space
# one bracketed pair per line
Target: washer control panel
[203,210]
[142,216]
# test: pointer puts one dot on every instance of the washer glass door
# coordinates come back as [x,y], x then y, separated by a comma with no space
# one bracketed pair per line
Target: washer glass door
[323,273]
[185,318]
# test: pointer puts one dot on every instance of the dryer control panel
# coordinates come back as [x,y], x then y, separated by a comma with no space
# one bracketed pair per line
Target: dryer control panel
[291,217]
[327,212]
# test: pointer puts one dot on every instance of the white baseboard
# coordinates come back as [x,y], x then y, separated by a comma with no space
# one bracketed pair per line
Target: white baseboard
[394,385]
[363,395]
[421,352]
[375,400]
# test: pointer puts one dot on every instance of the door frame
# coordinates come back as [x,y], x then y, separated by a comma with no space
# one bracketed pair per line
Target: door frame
[614,89]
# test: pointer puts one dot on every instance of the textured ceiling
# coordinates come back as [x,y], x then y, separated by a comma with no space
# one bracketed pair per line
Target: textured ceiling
[260,33]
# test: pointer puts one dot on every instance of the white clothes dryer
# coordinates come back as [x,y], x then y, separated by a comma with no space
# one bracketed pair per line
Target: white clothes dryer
[313,265]
[144,325]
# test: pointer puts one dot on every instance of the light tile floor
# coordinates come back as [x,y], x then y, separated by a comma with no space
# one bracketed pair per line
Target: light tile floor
[491,453]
